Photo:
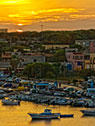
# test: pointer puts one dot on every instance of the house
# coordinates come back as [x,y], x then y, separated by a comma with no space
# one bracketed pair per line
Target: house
[89,53]
[92,46]
[83,43]
[71,49]
[3,40]
[92,61]
[3,30]
[53,46]
[4,66]
[6,56]
[76,59]
[32,57]
[92,55]
[87,62]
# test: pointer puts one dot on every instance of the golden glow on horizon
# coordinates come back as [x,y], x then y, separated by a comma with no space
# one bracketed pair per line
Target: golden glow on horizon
[12,2]
[20,24]
[27,12]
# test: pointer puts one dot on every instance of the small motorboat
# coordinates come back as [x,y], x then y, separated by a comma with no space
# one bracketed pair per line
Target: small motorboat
[88,112]
[10,102]
[47,114]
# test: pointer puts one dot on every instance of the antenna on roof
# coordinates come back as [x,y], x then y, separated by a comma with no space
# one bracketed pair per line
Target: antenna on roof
[42,27]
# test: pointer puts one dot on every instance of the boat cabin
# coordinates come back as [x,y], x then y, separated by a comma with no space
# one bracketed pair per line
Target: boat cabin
[90,91]
[41,86]
[47,110]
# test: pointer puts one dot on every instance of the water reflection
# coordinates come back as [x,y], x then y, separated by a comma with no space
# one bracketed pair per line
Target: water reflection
[42,122]
[17,116]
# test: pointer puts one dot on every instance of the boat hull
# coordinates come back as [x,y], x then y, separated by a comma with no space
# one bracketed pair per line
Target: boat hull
[7,102]
[43,117]
[67,116]
[88,112]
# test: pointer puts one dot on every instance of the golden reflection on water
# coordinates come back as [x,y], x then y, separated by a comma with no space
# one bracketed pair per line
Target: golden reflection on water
[17,116]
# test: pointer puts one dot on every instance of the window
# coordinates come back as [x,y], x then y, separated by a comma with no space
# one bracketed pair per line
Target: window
[34,60]
[87,57]
[76,57]
[88,66]
[79,63]
[81,57]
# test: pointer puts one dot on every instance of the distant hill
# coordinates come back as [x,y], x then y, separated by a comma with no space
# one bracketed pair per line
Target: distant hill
[54,37]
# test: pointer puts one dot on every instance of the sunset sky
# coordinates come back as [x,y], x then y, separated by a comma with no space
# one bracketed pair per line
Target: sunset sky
[29,15]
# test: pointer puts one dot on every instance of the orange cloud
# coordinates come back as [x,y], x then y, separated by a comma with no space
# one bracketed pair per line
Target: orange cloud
[28,17]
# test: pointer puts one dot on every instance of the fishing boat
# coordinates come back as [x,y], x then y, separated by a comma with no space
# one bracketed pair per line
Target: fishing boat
[47,114]
[88,112]
[10,102]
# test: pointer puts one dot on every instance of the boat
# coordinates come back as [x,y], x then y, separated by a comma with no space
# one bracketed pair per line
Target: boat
[78,103]
[88,112]
[47,114]
[67,116]
[10,102]
[89,103]
[60,101]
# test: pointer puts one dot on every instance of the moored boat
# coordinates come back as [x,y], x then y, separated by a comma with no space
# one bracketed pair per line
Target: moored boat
[88,112]
[10,102]
[47,114]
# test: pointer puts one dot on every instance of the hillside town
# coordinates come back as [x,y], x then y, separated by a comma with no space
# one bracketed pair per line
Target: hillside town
[18,50]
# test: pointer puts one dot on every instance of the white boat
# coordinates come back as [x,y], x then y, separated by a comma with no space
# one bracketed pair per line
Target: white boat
[10,102]
[88,112]
[47,114]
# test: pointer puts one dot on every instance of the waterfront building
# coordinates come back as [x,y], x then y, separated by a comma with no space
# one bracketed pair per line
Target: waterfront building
[76,59]
[6,56]
[3,30]
[92,46]
[71,49]
[84,43]
[4,65]
[55,46]
[92,61]
[32,57]
[92,55]
[87,62]
[3,40]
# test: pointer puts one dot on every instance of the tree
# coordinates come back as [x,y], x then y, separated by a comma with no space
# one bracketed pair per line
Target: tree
[56,69]
[38,70]
[80,48]
[59,56]
[14,63]
[28,71]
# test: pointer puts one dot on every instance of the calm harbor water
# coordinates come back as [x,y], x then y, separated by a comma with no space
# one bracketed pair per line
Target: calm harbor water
[17,115]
